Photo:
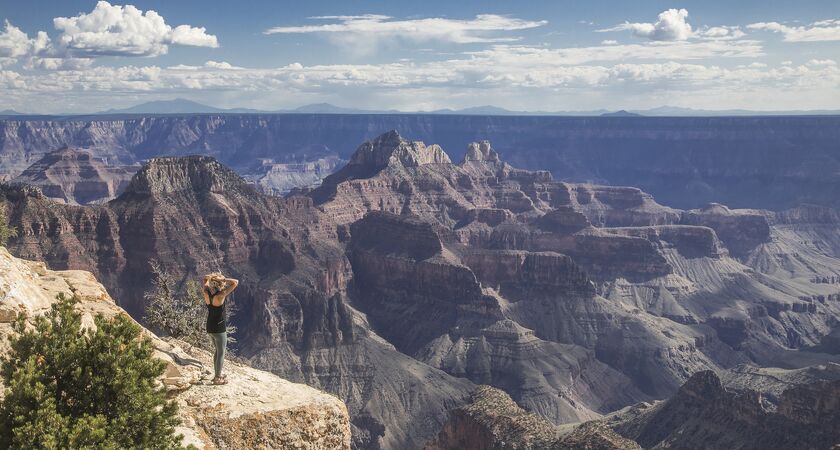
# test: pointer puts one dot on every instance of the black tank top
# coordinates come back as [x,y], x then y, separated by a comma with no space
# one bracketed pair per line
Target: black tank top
[216,321]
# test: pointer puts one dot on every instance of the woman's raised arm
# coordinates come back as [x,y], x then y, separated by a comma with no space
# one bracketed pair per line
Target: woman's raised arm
[233,283]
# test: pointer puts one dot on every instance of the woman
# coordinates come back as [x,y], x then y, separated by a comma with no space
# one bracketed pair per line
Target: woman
[216,289]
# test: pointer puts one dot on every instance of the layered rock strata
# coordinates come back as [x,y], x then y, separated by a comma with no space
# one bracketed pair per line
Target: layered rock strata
[74,176]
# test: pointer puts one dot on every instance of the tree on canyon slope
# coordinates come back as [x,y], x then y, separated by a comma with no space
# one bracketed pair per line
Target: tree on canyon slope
[179,313]
[74,387]
[5,230]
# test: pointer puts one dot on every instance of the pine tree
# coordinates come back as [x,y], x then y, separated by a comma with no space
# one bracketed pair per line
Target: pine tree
[73,388]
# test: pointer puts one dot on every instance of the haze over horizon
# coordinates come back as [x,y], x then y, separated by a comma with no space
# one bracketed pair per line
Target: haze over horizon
[86,57]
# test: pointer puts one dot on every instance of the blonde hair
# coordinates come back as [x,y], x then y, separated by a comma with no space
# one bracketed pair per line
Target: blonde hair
[216,281]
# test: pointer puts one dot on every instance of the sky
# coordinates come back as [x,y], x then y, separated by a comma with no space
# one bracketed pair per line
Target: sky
[68,56]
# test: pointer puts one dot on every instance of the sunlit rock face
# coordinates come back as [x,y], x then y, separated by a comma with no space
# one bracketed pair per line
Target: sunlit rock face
[281,178]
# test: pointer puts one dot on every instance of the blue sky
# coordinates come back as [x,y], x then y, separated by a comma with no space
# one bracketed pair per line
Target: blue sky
[84,56]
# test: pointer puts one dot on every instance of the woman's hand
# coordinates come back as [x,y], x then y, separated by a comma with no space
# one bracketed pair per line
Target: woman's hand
[231,284]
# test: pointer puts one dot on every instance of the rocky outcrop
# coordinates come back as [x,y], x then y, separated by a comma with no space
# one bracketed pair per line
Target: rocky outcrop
[704,414]
[390,149]
[614,206]
[595,435]
[398,264]
[76,177]
[280,178]
[689,241]
[189,174]
[741,230]
[493,421]
[254,410]
[481,151]
[446,308]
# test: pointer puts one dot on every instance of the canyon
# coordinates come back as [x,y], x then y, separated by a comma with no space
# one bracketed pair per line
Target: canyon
[440,299]
[763,162]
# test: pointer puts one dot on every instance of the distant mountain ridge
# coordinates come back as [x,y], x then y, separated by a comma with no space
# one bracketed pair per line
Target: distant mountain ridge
[175,106]
[622,113]
[184,106]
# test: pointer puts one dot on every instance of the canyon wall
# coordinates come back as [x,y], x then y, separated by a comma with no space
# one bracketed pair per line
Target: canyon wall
[686,162]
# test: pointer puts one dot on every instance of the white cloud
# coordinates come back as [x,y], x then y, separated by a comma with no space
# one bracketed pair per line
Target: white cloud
[14,43]
[532,78]
[671,25]
[823,30]
[221,65]
[681,50]
[499,67]
[57,63]
[482,29]
[720,33]
[124,31]
[822,62]
[711,64]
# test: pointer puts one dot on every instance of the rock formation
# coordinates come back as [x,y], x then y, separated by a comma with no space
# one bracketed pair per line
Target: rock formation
[254,410]
[704,414]
[684,162]
[405,280]
[194,215]
[280,178]
[493,421]
[74,176]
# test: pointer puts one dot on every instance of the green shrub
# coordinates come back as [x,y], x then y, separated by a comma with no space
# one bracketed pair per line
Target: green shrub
[5,230]
[71,388]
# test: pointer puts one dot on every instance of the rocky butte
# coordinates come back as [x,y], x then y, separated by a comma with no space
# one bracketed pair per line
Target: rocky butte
[406,280]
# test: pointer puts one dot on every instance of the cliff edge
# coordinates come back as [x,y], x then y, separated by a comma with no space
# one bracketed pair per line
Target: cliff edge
[255,410]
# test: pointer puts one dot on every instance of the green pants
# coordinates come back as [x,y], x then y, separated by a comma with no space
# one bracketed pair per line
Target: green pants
[219,343]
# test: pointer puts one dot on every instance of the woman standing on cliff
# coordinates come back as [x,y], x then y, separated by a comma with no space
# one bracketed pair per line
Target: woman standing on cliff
[215,289]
